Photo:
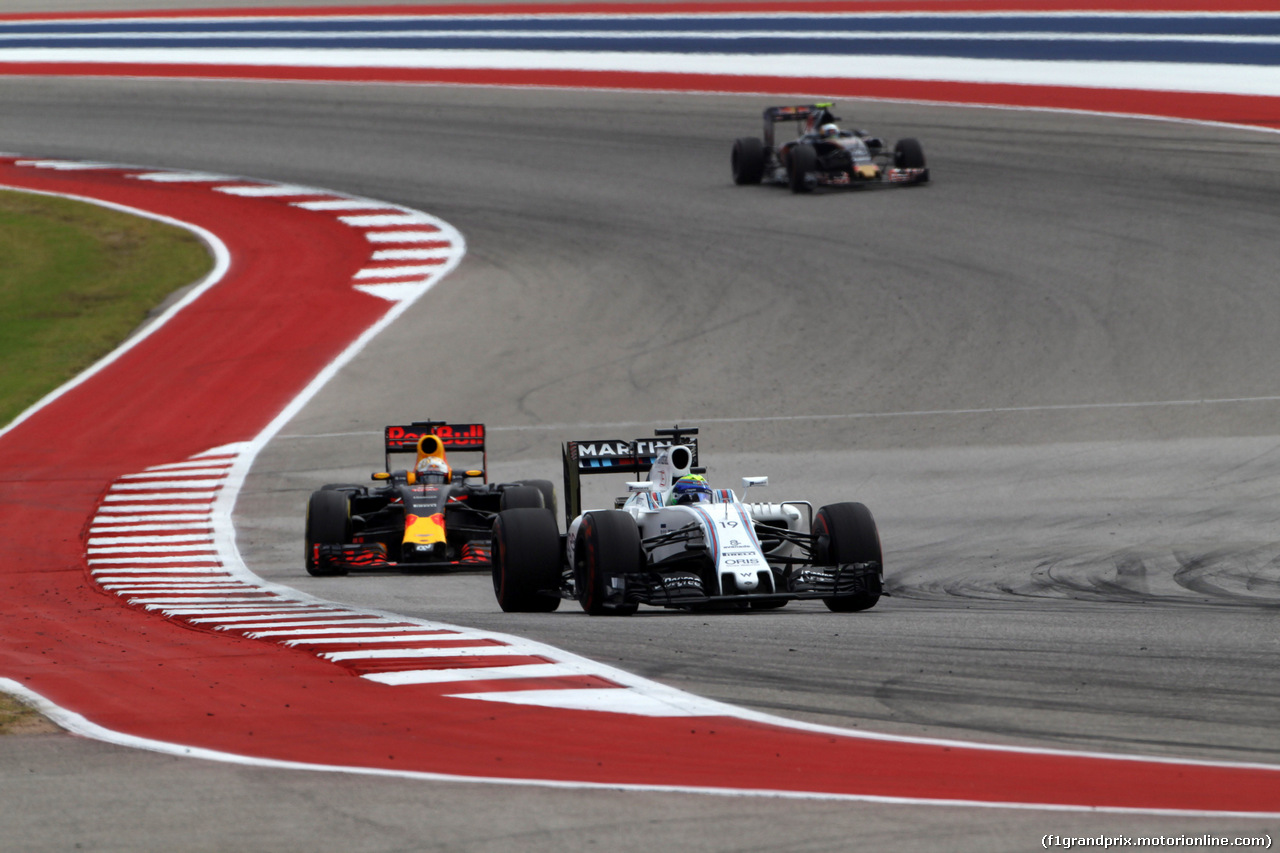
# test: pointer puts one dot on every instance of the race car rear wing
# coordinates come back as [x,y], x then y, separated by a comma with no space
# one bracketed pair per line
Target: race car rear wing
[813,115]
[616,456]
[467,438]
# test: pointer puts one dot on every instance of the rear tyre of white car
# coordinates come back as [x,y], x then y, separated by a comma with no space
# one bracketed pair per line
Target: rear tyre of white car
[526,561]
[846,534]
[328,523]
[521,497]
[802,162]
[608,544]
[747,160]
[548,490]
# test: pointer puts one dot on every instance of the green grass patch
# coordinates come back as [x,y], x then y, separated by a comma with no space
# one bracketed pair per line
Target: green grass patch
[75,280]
[17,718]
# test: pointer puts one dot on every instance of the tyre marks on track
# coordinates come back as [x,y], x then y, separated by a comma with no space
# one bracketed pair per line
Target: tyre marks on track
[271,675]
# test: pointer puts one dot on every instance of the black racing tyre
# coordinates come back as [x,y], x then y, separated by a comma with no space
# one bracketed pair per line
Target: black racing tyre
[526,561]
[908,154]
[846,533]
[747,160]
[608,544]
[548,490]
[328,523]
[801,164]
[521,497]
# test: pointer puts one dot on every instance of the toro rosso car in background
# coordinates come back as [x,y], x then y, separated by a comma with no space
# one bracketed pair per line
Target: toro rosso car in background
[675,541]
[823,154]
[429,517]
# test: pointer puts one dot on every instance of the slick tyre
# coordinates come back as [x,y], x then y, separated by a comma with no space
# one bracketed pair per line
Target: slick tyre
[846,533]
[801,165]
[328,523]
[747,160]
[608,544]
[521,497]
[526,561]
[548,490]
[908,154]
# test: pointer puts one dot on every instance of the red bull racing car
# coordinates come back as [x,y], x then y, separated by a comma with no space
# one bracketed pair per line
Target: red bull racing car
[428,517]
[824,154]
[674,541]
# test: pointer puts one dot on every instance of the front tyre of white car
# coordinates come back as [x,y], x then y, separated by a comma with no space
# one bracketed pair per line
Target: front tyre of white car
[608,545]
[526,561]
[846,536]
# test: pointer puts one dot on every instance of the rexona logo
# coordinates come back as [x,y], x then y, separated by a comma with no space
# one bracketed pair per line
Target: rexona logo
[681,582]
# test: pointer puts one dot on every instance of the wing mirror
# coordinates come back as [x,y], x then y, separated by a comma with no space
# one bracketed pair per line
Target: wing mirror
[748,482]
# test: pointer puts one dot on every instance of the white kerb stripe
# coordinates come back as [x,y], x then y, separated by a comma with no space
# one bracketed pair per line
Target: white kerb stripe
[150,540]
[161,485]
[208,599]
[269,191]
[396,272]
[462,652]
[372,620]
[203,548]
[404,236]
[386,220]
[444,676]
[162,498]
[153,517]
[189,472]
[202,510]
[182,177]
[394,638]
[227,608]
[346,204]
[381,628]
[411,254]
[116,527]
[210,464]
[240,621]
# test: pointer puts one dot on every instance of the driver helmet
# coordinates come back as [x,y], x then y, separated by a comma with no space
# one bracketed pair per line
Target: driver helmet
[433,469]
[828,130]
[690,489]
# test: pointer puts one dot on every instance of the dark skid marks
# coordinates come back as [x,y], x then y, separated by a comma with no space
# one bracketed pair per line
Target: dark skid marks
[1219,576]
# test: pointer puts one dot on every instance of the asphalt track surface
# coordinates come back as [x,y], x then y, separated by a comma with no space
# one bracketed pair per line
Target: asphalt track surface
[1009,366]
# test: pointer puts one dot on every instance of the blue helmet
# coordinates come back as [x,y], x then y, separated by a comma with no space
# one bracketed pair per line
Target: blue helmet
[690,489]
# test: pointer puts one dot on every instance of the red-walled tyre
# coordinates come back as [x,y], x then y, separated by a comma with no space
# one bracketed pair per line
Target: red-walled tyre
[608,545]
[847,536]
[526,561]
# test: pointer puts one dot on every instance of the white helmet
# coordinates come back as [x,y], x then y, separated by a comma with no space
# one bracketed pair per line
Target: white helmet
[828,130]
[433,469]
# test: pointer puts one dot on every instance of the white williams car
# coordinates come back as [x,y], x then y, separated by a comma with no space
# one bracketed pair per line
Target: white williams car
[675,541]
